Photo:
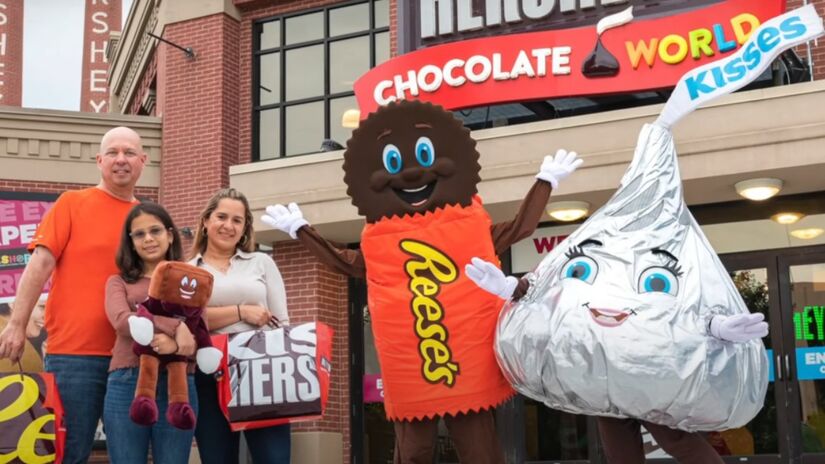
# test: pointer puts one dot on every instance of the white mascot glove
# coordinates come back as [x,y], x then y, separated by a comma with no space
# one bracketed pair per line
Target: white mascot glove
[287,219]
[739,327]
[141,329]
[553,170]
[208,359]
[490,278]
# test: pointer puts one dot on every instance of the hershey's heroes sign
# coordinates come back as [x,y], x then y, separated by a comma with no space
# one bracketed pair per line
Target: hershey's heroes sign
[429,22]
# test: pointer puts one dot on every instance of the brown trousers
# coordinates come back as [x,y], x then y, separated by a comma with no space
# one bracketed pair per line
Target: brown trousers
[473,434]
[622,442]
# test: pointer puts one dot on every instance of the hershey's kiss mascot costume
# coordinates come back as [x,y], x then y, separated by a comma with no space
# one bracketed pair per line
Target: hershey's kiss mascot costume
[411,169]
[633,318]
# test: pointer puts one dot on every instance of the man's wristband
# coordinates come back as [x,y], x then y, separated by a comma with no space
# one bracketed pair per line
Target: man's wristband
[239,312]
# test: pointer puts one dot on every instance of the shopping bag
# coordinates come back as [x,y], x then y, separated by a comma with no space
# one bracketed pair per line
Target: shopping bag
[272,377]
[31,419]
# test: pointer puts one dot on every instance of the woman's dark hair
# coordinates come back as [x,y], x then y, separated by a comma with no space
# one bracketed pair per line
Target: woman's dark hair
[127,259]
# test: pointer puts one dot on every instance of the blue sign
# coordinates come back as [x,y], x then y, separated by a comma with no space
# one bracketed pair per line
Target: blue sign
[810,363]
[770,365]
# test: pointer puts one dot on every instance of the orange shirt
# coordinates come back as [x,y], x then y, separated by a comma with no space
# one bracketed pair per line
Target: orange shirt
[82,231]
[434,328]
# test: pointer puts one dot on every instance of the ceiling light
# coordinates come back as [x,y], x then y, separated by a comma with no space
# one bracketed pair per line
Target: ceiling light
[786,218]
[351,119]
[568,211]
[807,234]
[758,189]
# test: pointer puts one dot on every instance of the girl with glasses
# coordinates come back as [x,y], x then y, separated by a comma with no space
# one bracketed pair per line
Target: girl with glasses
[148,237]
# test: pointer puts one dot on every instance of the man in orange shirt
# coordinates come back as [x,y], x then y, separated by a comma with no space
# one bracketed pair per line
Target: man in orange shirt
[75,244]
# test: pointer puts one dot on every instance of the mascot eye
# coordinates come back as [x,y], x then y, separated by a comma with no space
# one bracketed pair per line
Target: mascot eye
[581,268]
[425,152]
[392,159]
[659,280]
[184,282]
[194,284]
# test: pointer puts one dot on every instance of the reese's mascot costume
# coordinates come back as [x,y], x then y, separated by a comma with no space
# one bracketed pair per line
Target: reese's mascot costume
[633,317]
[411,169]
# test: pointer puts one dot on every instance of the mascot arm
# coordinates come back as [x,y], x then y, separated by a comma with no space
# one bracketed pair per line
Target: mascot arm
[524,224]
[343,260]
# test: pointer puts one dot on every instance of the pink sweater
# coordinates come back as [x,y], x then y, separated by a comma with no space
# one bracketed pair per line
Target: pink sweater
[121,302]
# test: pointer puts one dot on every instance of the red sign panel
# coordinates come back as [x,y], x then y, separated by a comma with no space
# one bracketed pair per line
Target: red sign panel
[641,55]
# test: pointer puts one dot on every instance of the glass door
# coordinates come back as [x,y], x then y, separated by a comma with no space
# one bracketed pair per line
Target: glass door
[760,441]
[802,279]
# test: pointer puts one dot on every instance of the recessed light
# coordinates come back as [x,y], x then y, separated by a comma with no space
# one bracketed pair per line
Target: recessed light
[786,218]
[807,234]
[568,211]
[758,189]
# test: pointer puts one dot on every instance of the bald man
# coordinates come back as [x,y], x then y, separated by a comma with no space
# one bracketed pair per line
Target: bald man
[76,244]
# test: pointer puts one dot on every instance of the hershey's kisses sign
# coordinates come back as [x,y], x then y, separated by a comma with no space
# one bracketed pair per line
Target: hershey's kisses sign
[501,51]
[274,373]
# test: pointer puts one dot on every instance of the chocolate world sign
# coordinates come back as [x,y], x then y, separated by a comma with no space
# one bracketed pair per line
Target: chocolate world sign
[621,53]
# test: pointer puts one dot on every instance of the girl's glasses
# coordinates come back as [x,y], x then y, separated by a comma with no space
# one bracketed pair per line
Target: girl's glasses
[155,232]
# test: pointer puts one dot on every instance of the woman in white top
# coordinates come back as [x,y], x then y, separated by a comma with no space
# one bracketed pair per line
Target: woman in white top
[248,293]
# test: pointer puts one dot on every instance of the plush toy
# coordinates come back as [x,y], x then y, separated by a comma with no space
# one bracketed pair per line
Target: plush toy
[181,291]
[412,169]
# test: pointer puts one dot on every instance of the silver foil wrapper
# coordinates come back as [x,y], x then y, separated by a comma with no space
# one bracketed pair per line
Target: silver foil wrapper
[616,319]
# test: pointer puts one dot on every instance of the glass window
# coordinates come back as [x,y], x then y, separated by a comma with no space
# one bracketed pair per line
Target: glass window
[305,71]
[305,28]
[382,13]
[269,89]
[348,60]
[382,47]
[349,19]
[269,130]
[305,126]
[337,107]
[270,35]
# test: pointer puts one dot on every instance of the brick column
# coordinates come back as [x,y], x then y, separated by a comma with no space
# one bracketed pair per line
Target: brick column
[11,52]
[316,292]
[100,18]
[199,107]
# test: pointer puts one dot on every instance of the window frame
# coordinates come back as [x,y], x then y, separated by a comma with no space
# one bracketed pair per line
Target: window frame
[282,49]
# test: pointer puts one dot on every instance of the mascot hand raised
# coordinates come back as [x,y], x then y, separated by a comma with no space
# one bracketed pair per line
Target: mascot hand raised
[739,327]
[554,170]
[287,219]
[177,290]
[490,278]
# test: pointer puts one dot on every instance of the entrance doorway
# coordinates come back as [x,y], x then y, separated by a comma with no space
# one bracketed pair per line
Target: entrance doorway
[788,286]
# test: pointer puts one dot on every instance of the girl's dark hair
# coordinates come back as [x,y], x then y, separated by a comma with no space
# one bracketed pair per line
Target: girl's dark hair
[127,259]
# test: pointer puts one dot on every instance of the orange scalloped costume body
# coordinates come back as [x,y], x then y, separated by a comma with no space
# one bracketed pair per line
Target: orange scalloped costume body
[433,328]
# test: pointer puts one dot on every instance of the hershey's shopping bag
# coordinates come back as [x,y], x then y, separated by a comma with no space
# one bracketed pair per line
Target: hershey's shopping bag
[272,377]
[31,419]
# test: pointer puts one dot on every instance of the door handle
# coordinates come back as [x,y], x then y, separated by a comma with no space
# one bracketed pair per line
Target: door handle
[778,367]
[787,367]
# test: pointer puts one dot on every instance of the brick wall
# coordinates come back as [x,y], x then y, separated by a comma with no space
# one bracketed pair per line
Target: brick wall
[146,84]
[817,50]
[6,185]
[200,113]
[313,292]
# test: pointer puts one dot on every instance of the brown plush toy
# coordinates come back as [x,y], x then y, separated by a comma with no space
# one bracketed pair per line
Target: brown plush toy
[181,291]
